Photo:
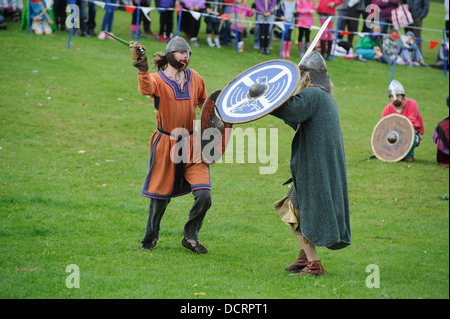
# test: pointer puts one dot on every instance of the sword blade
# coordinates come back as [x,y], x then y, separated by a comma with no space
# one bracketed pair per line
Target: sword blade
[316,39]
[118,39]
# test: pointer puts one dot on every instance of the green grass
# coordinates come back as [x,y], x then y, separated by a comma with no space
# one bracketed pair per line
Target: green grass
[60,207]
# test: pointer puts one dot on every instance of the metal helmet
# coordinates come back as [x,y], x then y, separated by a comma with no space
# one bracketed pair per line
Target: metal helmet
[317,68]
[178,44]
[395,87]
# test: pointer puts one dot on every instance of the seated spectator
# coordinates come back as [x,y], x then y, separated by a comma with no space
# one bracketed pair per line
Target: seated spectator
[440,137]
[40,17]
[389,45]
[369,47]
[410,52]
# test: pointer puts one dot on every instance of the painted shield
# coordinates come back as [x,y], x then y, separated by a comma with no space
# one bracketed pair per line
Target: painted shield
[214,132]
[392,138]
[258,91]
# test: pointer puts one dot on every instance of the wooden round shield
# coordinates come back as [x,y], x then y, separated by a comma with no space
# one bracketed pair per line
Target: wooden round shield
[214,132]
[392,138]
[258,91]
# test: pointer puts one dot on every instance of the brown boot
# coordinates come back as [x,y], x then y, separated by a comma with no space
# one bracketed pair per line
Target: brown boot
[299,264]
[314,268]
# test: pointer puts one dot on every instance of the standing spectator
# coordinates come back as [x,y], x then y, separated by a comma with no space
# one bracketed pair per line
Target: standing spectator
[225,32]
[59,13]
[350,10]
[165,9]
[82,30]
[214,9]
[306,10]
[325,9]
[242,12]
[190,24]
[265,10]
[142,19]
[286,11]
[419,10]
[108,18]
[386,6]
[91,18]
[365,14]
[447,24]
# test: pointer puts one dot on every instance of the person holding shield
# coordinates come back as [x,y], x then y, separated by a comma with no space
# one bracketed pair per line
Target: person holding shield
[176,91]
[317,206]
[407,107]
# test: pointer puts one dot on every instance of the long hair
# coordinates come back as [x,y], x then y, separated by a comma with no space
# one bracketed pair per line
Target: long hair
[159,61]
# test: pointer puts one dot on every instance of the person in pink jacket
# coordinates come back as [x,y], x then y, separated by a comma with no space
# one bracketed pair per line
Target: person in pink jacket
[325,9]
[408,107]
[305,19]
[242,11]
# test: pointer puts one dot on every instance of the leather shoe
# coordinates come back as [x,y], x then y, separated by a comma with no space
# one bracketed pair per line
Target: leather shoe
[194,245]
[149,244]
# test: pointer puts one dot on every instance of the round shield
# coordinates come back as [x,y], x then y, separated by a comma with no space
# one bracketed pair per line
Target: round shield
[258,91]
[214,132]
[392,138]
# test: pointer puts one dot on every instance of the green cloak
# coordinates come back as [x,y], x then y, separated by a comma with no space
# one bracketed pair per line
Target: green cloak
[318,167]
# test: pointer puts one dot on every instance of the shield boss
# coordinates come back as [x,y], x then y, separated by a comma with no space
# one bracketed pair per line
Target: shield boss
[392,138]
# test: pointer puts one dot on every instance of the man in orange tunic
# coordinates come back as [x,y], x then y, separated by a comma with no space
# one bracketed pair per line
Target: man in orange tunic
[174,169]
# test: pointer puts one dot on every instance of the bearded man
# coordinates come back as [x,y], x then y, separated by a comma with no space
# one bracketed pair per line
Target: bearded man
[408,107]
[176,92]
[316,207]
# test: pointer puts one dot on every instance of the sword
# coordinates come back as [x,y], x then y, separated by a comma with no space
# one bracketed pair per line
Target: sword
[126,43]
[316,39]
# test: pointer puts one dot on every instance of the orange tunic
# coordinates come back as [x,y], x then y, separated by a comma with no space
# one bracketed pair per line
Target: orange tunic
[170,174]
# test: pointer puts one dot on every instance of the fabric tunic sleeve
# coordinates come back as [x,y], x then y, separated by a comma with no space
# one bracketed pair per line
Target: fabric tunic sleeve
[297,109]
[146,84]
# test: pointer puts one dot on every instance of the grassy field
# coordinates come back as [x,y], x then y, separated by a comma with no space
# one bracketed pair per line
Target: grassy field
[60,206]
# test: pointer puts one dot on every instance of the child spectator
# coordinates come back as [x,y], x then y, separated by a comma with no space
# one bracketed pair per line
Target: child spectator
[410,52]
[369,47]
[265,10]
[389,45]
[286,11]
[190,24]
[40,17]
[325,9]
[214,10]
[108,18]
[165,9]
[306,10]
[242,11]
[137,28]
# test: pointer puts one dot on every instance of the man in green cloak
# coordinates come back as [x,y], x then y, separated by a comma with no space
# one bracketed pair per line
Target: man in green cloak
[316,207]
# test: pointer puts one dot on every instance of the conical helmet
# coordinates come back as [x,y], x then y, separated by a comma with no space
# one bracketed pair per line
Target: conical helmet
[395,87]
[317,68]
[178,44]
